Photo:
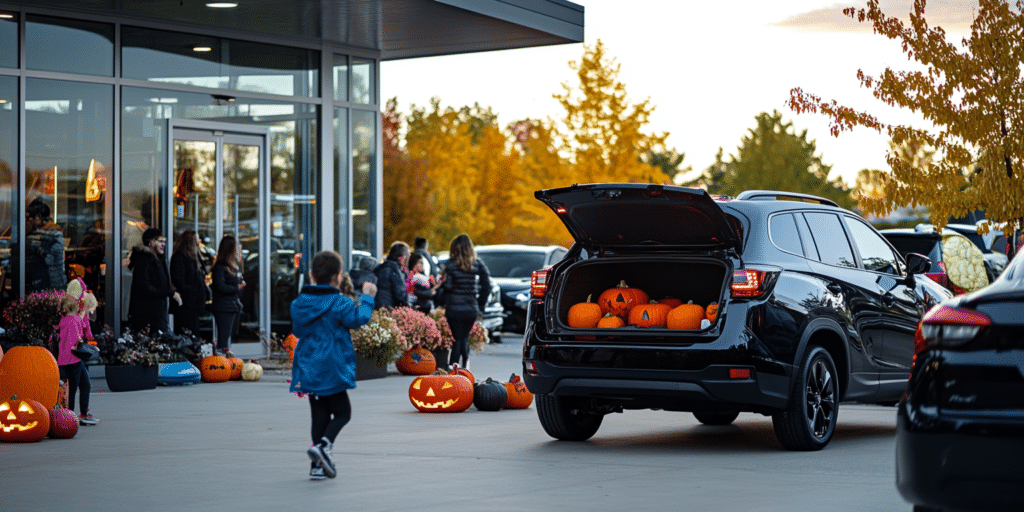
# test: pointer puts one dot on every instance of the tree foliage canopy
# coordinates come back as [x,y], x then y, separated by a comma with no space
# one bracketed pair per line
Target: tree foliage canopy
[973,95]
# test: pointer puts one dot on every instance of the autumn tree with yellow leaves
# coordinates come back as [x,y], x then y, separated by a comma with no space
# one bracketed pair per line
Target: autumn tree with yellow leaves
[973,96]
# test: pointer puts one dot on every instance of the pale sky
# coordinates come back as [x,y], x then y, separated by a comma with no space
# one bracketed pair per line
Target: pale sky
[708,67]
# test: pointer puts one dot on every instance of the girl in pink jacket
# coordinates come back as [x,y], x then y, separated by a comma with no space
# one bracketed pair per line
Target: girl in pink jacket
[74,327]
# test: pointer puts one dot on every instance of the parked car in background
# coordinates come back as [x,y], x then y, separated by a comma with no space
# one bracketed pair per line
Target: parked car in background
[511,267]
[923,239]
[992,245]
[960,428]
[812,307]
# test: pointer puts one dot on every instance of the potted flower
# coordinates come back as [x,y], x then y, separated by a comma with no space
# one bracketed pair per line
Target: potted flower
[131,359]
[418,329]
[376,344]
[33,320]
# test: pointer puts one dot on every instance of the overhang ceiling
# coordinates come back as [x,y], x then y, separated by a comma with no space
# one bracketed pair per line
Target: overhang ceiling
[399,29]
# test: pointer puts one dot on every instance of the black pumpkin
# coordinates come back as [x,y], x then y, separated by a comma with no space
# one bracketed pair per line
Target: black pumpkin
[489,395]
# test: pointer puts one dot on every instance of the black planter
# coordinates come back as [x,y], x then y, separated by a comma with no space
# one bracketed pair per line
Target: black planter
[367,369]
[131,378]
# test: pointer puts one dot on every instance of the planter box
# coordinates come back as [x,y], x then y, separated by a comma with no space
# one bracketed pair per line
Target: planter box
[131,378]
[366,369]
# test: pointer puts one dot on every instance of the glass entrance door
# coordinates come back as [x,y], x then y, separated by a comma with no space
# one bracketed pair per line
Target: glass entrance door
[218,178]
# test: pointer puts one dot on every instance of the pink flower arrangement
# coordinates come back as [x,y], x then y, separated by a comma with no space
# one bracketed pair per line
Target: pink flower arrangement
[416,328]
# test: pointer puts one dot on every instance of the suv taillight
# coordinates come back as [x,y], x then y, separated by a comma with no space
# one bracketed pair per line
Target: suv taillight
[948,327]
[752,282]
[539,283]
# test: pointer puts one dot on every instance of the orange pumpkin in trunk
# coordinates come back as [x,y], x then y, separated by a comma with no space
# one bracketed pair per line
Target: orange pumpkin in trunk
[620,299]
[687,316]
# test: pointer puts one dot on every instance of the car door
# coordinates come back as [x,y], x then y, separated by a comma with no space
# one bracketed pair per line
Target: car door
[901,307]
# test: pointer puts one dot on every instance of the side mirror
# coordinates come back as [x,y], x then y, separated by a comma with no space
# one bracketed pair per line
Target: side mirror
[917,264]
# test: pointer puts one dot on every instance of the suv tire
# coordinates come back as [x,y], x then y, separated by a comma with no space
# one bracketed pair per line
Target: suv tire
[563,419]
[809,421]
[716,417]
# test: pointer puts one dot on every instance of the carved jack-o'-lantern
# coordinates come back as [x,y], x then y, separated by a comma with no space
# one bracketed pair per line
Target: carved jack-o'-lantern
[441,393]
[649,315]
[215,369]
[23,420]
[30,372]
[620,299]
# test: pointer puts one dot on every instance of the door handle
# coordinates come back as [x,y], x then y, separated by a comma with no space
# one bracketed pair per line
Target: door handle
[834,288]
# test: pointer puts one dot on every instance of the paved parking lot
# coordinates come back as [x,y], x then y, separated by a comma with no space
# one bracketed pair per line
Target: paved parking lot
[241,446]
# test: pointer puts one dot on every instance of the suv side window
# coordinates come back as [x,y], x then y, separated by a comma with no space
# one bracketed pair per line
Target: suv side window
[782,230]
[830,238]
[875,253]
[805,237]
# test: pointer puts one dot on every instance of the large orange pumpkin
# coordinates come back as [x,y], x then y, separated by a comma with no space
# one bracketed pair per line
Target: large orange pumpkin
[651,314]
[711,312]
[585,315]
[610,321]
[686,316]
[518,396]
[30,373]
[671,302]
[236,367]
[23,419]
[416,361]
[620,299]
[441,393]
[215,369]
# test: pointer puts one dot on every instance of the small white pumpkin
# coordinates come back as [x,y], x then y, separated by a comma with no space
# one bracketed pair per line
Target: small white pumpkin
[251,371]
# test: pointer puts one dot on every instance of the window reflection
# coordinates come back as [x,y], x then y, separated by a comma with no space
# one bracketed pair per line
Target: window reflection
[69,46]
[363,90]
[364,175]
[340,74]
[8,179]
[8,39]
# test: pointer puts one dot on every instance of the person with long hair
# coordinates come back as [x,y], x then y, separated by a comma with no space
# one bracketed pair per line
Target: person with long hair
[227,286]
[188,276]
[466,283]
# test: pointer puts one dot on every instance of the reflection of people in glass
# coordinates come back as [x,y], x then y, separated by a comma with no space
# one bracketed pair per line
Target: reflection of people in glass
[44,250]
[227,291]
[188,276]
[151,284]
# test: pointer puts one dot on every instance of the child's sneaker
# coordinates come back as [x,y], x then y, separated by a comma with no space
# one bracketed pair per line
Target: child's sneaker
[321,452]
[316,471]
[87,419]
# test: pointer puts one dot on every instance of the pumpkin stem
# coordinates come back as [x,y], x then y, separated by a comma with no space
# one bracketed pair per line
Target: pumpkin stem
[622,284]
[589,296]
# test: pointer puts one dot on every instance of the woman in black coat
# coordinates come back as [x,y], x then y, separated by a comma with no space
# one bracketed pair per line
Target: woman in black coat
[391,278]
[227,291]
[466,284]
[188,276]
[151,284]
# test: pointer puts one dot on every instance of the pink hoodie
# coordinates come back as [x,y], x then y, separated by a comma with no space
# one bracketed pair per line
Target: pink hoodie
[73,328]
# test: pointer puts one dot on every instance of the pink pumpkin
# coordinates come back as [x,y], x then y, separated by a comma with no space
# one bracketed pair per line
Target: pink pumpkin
[63,423]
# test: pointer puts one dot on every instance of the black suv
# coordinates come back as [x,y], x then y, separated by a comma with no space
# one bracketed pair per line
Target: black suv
[815,308]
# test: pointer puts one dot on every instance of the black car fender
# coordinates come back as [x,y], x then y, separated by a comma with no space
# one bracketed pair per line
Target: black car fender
[828,334]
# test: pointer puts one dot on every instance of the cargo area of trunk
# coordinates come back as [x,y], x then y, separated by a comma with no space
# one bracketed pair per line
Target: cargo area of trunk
[702,280]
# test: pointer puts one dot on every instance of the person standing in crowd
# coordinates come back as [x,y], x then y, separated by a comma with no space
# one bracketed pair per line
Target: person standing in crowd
[465,284]
[227,291]
[430,267]
[151,284]
[325,362]
[419,286]
[44,250]
[391,278]
[188,276]
[74,328]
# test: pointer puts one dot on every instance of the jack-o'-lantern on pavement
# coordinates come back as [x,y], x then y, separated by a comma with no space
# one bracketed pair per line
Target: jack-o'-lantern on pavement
[441,393]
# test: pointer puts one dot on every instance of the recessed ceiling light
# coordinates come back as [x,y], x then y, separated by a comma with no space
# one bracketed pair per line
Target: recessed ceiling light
[2,102]
[221,5]
[202,49]
[6,16]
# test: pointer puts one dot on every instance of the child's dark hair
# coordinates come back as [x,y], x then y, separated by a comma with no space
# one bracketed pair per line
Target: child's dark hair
[326,265]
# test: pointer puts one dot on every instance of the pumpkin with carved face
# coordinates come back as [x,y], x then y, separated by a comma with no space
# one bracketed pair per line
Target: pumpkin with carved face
[23,420]
[441,393]
[215,369]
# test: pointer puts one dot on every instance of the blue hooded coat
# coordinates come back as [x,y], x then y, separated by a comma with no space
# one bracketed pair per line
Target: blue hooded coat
[325,362]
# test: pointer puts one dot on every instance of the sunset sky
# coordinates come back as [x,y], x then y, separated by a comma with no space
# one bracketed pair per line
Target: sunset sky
[708,67]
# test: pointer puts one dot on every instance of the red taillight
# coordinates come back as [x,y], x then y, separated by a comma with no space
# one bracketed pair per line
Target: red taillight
[751,282]
[739,373]
[938,277]
[539,283]
[948,327]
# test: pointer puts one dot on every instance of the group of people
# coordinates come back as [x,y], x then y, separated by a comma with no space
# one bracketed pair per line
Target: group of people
[322,315]
[184,284]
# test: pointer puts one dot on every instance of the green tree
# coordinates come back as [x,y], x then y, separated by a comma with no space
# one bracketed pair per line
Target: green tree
[668,160]
[973,96]
[713,178]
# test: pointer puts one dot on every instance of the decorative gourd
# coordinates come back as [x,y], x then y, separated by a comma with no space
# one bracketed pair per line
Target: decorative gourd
[23,420]
[236,367]
[651,314]
[671,302]
[251,371]
[489,395]
[610,321]
[518,396]
[462,371]
[30,372]
[585,315]
[215,369]
[686,316]
[416,361]
[711,312]
[441,393]
[620,299]
[63,423]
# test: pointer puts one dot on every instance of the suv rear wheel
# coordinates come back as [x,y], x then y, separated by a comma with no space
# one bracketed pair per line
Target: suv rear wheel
[809,420]
[716,417]
[564,418]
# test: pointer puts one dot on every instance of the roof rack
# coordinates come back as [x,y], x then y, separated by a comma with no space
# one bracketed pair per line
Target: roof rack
[772,195]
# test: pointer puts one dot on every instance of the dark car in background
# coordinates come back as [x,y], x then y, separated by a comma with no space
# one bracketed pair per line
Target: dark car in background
[924,239]
[960,428]
[814,308]
[511,266]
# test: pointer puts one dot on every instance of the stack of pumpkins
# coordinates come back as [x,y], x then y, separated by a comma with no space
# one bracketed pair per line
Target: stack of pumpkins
[217,368]
[30,392]
[622,305]
[457,390]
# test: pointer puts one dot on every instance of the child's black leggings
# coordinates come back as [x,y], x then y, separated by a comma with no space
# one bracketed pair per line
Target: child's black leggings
[322,408]
[78,380]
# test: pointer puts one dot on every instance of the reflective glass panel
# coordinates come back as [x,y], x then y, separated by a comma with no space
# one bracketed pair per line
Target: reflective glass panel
[9,231]
[203,61]
[364,181]
[341,181]
[363,86]
[69,46]
[340,74]
[8,39]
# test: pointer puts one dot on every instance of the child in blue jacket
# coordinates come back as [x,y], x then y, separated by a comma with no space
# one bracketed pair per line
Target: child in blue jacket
[324,365]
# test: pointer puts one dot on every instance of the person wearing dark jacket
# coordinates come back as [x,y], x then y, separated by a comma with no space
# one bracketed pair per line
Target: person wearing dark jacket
[44,250]
[188,276]
[430,267]
[466,283]
[227,289]
[151,284]
[391,278]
